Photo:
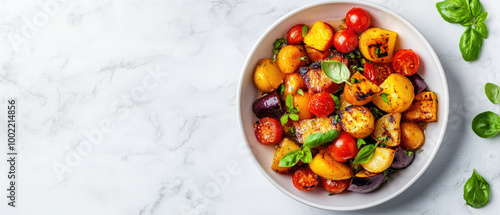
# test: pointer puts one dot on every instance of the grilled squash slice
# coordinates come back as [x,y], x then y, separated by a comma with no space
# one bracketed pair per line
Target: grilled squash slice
[320,36]
[377,44]
[423,108]
[361,90]
[316,80]
[306,127]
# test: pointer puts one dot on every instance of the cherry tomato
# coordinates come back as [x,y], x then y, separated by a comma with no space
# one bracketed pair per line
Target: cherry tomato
[305,179]
[357,19]
[343,148]
[335,186]
[268,131]
[294,35]
[406,62]
[377,72]
[345,40]
[321,104]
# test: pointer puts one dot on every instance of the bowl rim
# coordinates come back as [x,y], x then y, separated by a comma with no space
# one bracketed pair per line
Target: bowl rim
[444,104]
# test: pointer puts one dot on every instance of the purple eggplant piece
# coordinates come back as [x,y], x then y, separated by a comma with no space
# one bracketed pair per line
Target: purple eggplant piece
[418,82]
[366,184]
[401,159]
[268,106]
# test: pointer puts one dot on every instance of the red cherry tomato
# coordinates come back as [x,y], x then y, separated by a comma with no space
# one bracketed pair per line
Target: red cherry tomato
[343,148]
[335,186]
[357,19]
[321,104]
[345,40]
[305,179]
[377,72]
[406,62]
[268,131]
[294,35]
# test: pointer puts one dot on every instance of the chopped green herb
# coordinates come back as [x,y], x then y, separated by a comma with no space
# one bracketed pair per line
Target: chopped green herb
[294,117]
[284,119]
[408,153]
[278,44]
[303,58]
[383,139]
[384,97]
[281,89]
[300,92]
[331,194]
[377,51]
[292,131]
[337,118]
[421,150]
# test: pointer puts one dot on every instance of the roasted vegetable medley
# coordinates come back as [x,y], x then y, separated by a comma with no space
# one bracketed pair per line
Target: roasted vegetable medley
[342,105]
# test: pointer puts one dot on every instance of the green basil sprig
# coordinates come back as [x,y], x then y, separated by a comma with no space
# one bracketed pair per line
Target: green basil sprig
[384,97]
[304,153]
[365,154]
[336,71]
[492,92]
[292,111]
[336,100]
[486,124]
[360,142]
[470,14]
[476,191]
[304,30]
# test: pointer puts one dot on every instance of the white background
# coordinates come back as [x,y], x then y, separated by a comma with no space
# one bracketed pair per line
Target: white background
[129,107]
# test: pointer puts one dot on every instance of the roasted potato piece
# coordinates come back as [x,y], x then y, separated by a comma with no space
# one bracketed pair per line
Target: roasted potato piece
[377,44]
[381,160]
[285,146]
[301,102]
[412,136]
[423,109]
[387,127]
[358,121]
[314,55]
[326,167]
[361,91]
[316,80]
[289,58]
[320,36]
[304,128]
[398,91]
[293,82]
[268,76]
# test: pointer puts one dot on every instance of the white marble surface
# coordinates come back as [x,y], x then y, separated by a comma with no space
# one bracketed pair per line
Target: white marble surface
[128,107]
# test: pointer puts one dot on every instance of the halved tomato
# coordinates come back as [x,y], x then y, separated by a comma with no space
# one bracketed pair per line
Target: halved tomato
[335,186]
[305,179]
[268,131]
[377,72]
[406,62]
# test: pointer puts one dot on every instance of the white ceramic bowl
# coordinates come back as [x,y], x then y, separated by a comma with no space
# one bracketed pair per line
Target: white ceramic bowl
[408,37]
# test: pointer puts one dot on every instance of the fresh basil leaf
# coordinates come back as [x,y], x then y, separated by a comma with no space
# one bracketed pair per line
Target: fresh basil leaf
[336,100]
[492,92]
[476,191]
[384,97]
[337,118]
[475,7]
[318,139]
[307,156]
[482,30]
[486,124]
[304,30]
[454,11]
[289,101]
[360,142]
[481,18]
[470,44]
[336,71]
[467,23]
[377,113]
[290,158]
[284,119]
[294,117]
[365,154]
[300,92]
